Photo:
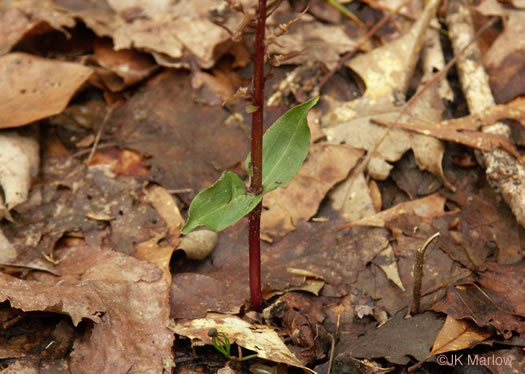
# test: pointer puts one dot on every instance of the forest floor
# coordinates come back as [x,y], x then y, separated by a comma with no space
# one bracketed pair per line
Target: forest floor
[396,248]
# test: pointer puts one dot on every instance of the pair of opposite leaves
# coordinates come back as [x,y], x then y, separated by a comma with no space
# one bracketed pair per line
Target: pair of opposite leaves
[285,146]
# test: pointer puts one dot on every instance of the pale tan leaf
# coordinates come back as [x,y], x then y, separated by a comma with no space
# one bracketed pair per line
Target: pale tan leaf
[429,206]
[33,88]
[259,338]
[19,162]
[456,335]
[352,198]
[387,262]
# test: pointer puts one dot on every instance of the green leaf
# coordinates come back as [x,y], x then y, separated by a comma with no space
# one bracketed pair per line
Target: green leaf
[285,146]
[251,108]
[221,205]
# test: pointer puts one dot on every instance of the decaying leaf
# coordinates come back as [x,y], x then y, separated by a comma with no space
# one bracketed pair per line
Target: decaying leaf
[326,165]
[473,302]
[133,335]
[71,298]
[503,59]
[160,122]
[398,339]
[429,206]
[309,41]
[386,72]
[171,31]
[193,294]
[32,88]
[456,335]
[259,338]
[121,69]
[473,139]
[476,89]
[387,262]
[352,199]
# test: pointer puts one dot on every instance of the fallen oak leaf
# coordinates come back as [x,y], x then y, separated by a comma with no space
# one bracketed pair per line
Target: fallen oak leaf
[33,88]
[259,338]
[456,335]
[470,138]
[79,301]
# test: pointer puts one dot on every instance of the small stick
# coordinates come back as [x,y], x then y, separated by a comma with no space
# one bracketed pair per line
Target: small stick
[332,347]
[418,274]
[88,150]
[99,133]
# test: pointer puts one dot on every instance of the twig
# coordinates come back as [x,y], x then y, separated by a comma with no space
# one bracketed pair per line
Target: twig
[418,274]
[332,347]
[88,150]
[99,132]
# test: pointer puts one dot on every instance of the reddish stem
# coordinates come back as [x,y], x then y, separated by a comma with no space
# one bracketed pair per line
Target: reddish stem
[254,217]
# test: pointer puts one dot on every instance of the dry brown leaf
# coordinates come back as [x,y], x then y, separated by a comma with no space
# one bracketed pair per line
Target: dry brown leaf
[312,41]
[121,162]
[456,335]
[473,139]
[72,298]
[132,336]
[326,165]
[259,338]
[353,199]
[473,302]
[388,69]
[22,367]
[430,206]
[503,60]
[121,69]
[167,208]
[505,284]
[387,262]
[160,247]
[488,305]
[505,173]
[32,88]
[182,154]
[397,340]
[217,87]
[316,247]
[386,72]
[14,24]
[172,31]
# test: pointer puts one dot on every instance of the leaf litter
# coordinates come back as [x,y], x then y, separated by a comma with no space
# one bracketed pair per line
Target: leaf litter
[89,257]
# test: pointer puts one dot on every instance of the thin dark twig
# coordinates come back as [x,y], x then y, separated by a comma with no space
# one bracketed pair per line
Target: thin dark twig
[418,274]
[99,132]
[88,150]
[332,347]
